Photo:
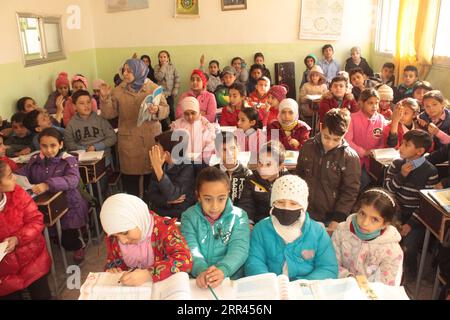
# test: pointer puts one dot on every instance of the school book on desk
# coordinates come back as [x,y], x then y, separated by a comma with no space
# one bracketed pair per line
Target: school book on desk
[442,197]
[387,154]
[152,99]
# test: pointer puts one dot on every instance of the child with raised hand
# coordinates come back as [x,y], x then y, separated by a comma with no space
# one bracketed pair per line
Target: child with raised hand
[227,149]
[139,239]
[60,95]
[259,59]
[172,181]
[405,178]
[367,243]
[290,131]
[168,77]
[249,132]
[366,130]
[27,262]
[255,198]
[405,89]
[338,97]
[403,120]
[217,232]
[237,103]
[436,118]
[289,242]
[54,170]
[213,74]
[316,85]
[275,95]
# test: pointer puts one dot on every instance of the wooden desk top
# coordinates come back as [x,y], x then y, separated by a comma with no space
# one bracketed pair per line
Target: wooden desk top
[433,216]
[45,198]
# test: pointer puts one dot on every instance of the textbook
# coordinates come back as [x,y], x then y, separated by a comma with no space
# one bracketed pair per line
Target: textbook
[387,154]
[3,246]
[25,158]
[291,158]
[152,99]
[106,286]
[442,197]
[84,156]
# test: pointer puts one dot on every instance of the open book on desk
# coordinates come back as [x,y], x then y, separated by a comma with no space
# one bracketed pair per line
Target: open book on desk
[386,155]
[86,156]
[441,197]
[25,158]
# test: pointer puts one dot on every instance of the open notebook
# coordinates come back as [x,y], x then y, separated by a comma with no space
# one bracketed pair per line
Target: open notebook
[3,246]
[269,286]
[85,156]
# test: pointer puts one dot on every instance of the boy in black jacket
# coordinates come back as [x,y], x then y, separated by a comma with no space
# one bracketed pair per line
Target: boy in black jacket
[227,149]
[255,198]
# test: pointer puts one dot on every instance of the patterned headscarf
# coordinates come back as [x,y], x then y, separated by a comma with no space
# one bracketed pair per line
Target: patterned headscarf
[140,72]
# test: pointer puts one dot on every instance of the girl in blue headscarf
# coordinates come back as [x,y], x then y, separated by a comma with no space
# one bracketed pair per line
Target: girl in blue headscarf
[134,142]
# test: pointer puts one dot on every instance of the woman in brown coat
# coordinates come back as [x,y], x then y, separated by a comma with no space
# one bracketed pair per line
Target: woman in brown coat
[134,142]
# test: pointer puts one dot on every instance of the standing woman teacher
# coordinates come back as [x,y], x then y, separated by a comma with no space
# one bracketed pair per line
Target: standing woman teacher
[134,142]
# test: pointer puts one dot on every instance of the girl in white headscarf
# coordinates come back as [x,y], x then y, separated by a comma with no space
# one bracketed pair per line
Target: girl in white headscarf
[140,240]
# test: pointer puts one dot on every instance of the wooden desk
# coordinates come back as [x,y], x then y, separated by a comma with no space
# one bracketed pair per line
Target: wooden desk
[91,172]
[436,221]
[378,170]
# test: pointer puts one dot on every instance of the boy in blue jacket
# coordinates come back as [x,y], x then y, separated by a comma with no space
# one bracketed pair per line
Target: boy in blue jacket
[289,242]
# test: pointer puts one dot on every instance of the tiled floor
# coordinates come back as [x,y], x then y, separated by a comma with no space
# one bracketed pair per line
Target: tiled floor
[96,257]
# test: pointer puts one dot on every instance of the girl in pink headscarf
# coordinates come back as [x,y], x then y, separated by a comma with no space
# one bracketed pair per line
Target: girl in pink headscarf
[79,82]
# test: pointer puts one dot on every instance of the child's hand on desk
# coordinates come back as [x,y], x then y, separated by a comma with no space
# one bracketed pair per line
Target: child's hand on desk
[214,276]
[114,270]
[40,188]
[12,244]
[439,186]
[201,280]
[135,278]
[406,229]
[368,153]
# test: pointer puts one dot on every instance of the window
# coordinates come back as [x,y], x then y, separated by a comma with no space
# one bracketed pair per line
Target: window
[386,37]
[442,44]
[40,38]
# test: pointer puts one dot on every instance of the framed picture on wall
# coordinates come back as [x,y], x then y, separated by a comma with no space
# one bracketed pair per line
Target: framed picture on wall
[234,5]
[187,8]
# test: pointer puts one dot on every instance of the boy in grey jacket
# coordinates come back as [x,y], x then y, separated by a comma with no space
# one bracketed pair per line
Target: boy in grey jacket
[88,131]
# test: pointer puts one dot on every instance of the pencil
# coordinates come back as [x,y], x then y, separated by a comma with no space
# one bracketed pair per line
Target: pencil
[129,272]
[212,291]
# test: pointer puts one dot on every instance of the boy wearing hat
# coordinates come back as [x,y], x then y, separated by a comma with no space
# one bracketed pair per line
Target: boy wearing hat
[289,242]
[386,97]
[228,77]
[331,169]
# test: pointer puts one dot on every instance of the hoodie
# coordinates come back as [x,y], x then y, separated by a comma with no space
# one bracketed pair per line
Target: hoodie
[380,259]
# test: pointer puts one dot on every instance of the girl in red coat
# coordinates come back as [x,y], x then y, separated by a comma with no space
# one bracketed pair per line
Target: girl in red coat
[140,240]
[292,133]
[230,113]
[27,262]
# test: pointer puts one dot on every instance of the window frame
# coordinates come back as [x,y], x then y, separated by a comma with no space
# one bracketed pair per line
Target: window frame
[378,31]
[439,61]
[45,56]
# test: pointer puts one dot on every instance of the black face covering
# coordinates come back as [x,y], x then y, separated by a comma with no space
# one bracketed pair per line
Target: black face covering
[286,217]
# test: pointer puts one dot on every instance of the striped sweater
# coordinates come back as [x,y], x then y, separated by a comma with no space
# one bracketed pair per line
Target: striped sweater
[406,189]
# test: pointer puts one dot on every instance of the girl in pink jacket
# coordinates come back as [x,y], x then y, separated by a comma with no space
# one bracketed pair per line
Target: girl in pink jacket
[201,131]
[367,243]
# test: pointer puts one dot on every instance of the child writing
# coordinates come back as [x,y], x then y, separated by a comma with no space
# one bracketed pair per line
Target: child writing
[258,98]
[249,133]
[367,243]
[146,246]
[316,85]
[168,77]
[436,118]
[275,95]
[255,198]
[217,232]
[54,170]
[290,131]
[386,97]
[87,130]
[60,95]
[405,90]
[365,131]
[172,181]
[403,120]
[79,82]
[227,149]
[405,178]
[331,169]
[21,141]
[213,74]
[289,242]
[310,62]
[337,98]
[237,103]
[27,262]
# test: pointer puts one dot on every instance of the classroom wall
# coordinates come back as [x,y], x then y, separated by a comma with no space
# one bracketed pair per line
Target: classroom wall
[38,81]
[270,26]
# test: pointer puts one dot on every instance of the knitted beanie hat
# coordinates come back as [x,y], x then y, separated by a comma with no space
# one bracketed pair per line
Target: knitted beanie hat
[290,187]
[190,103]
[278,92]
[201,75]
[386,93]
[63,79]
[80,78]
[288,104]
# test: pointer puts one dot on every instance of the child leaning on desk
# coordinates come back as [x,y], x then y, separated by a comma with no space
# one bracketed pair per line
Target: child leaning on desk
[148,246]
[27,262]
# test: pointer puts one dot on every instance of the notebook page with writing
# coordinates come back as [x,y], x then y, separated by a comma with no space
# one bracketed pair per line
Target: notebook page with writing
[338,289]
[176,287]
[223,292]
[385,292]
[301,290]
[259,287]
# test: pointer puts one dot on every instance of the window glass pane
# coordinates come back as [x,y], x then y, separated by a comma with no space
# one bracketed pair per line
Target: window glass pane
[442,47]
[52,37]
[31,42]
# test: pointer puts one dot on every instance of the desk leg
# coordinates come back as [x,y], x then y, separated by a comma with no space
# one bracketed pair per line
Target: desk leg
[53,269]
[99,191]
[422,262]
[97,229]
[436,286]
[63,251]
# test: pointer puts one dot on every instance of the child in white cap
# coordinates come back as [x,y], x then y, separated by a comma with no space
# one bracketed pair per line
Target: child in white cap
[289,242]
[292,132]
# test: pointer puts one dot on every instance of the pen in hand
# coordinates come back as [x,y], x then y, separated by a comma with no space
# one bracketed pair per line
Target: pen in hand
[130,271]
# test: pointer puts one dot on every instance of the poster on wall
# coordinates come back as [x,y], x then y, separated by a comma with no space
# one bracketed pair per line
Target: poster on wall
[321,19]
[125,5]
[187,8]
